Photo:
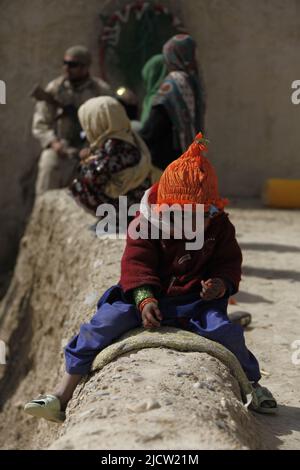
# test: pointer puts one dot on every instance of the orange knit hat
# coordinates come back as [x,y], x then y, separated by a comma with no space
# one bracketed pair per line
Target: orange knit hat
[191,179]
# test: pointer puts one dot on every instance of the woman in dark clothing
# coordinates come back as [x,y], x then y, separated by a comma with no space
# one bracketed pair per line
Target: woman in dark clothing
[157,132]
[179,107]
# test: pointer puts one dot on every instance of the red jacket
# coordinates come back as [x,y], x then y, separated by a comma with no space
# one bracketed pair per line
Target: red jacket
[172,270]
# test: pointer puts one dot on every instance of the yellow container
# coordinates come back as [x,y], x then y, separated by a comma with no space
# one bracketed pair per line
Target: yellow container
[282,193]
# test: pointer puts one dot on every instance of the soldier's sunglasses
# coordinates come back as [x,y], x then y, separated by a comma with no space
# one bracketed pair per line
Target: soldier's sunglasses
[72,64]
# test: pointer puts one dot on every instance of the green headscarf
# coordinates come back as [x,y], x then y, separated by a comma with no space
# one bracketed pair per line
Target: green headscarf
[153,73]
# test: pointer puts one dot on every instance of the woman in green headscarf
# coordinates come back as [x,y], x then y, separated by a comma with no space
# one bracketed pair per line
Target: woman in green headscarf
[153,73]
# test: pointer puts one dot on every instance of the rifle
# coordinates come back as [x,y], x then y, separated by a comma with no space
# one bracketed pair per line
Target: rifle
[63,110]
[69,110]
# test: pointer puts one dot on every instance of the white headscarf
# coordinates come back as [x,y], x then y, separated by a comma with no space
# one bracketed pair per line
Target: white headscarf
[104,118]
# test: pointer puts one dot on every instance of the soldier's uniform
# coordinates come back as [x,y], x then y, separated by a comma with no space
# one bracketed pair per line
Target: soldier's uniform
[49,124]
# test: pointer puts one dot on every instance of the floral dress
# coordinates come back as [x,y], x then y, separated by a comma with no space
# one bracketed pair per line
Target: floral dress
[93,174]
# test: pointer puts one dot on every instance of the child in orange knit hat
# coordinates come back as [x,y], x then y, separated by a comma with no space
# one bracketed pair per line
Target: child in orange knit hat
[164,283]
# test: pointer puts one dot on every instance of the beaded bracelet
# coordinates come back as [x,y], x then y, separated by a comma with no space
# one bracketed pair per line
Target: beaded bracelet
[145,302]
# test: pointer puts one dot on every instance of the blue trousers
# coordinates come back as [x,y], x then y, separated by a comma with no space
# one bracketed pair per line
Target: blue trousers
[115,316]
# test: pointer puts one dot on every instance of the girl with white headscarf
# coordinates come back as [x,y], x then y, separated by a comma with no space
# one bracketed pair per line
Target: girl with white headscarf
[119,163]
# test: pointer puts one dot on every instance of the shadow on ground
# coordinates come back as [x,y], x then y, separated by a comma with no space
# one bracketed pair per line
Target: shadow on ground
[270,247]
[285,423]
[266,273]
[251,298]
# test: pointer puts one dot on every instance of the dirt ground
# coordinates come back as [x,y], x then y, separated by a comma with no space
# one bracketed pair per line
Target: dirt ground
[56,286]
[270,292]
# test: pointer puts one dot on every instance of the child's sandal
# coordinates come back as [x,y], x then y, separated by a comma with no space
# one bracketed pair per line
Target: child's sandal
[47,407]
[264,396]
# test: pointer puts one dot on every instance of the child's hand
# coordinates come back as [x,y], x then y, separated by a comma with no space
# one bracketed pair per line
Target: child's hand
[151,315]
[212,289]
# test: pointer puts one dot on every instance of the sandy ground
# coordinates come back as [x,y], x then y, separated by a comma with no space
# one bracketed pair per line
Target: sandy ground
[270,292]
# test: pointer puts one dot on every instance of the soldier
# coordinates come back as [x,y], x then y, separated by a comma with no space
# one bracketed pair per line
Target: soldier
[55,121]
